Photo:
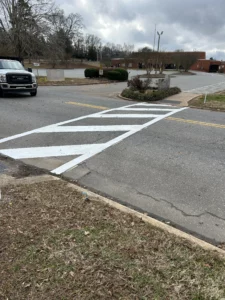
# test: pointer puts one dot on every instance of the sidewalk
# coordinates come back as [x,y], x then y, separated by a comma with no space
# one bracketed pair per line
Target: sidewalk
[60,243]
[181,99]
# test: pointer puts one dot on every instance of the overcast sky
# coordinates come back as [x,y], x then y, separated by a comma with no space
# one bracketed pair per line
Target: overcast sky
[187,24]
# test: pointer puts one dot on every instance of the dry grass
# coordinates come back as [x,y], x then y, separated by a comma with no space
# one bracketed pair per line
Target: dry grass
[57,245]
[42,81]
[213,101]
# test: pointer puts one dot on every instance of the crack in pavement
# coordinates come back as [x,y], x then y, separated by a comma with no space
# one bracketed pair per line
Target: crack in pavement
[151,197]
[190,215]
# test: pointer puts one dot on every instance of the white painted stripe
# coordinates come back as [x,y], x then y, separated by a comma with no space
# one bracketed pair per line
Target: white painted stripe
[37,152]
[147,104]
[57,124]
[146,109]
[142,116]
[17,136]
[206,86]
[105,128]
[88,155]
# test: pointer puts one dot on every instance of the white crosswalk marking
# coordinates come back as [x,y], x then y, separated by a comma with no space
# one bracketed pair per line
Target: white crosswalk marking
[85,151]
[212,88]
[89,128]
[36,152]
[105,116]
[145,109]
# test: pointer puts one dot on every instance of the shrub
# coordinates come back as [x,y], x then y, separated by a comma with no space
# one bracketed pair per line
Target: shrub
[123,72]
[106,71]
[136,84]
[154,96]
[114,75]
[91,73]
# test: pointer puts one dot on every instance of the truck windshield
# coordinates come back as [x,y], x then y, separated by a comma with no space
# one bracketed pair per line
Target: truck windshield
[11,64]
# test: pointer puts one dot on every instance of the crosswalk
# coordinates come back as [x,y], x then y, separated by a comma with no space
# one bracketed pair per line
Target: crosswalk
[209,89]
[149,113]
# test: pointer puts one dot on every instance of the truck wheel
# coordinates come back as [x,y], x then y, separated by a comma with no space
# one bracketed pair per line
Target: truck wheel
[2,94]
[33,94]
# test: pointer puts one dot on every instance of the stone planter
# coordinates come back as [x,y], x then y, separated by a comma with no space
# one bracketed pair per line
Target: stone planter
[156,82]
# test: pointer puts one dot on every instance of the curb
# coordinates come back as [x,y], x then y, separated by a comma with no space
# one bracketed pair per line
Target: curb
[157,101]
[193,240]
[121,97]
[9,180]
[82,84]
[128,99]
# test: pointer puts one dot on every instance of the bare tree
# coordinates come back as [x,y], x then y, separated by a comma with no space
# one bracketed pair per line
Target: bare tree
[127,50]
[187,60]
[92,46]
[64,34]
[22,19]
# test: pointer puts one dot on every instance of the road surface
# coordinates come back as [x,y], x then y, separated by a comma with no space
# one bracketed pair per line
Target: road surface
[163,160]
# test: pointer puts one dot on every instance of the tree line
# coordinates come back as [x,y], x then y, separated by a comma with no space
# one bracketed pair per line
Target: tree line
[40,29]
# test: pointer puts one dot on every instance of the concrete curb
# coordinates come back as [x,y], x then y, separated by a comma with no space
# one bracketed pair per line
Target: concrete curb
[82,84]
[155,102]
[121,97]
[195,241]
[9,180]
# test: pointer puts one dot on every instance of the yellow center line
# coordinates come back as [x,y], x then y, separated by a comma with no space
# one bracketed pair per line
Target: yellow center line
[196,122]
[88,105]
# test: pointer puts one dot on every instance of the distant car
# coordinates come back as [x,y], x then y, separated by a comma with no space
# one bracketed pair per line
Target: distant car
[15,79]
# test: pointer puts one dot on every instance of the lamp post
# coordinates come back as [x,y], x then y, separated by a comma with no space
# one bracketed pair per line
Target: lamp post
[159,36]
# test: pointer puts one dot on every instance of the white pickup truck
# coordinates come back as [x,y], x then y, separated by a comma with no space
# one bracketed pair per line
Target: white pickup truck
[15,79]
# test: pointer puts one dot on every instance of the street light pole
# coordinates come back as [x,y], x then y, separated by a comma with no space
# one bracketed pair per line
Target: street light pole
[159,36]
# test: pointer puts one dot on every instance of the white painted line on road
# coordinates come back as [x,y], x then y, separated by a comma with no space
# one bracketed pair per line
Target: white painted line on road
[17,136]
[58,124]
[147,104]
[206,86]
[37,152]
[144,109]
[142,116]
[118,139]
[88,128]
[88,150]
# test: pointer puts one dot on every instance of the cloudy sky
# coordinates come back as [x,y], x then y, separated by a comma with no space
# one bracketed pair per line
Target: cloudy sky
[187,24]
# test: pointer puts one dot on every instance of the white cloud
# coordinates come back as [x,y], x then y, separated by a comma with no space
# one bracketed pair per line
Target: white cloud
[188,25]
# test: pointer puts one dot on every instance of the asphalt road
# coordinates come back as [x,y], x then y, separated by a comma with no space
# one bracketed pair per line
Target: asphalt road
[169,164]
[199,83]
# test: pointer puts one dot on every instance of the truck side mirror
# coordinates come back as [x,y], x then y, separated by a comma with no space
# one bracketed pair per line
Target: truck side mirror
[29,70]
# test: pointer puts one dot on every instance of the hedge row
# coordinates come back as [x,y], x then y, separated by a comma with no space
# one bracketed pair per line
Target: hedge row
[112,74]
[91,73]
[154,96]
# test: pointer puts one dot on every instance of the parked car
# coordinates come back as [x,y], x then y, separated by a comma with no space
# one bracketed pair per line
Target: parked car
[15,79]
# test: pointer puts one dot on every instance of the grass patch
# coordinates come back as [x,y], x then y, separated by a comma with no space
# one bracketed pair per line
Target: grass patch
[213,101]
[43,81]
[57,245]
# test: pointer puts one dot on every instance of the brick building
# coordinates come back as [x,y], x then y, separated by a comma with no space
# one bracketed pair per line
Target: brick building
[206,65]
[168,59]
